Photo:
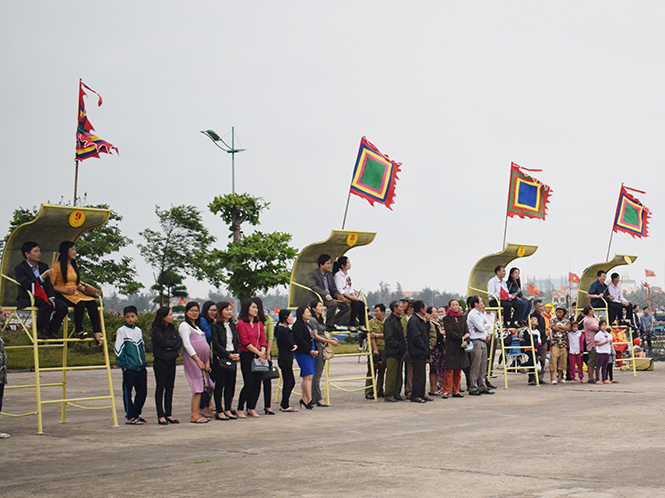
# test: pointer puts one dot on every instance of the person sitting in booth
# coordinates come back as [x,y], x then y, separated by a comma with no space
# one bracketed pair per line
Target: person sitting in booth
[616,302]
[598,290]
[321,281]
[35,276]
[497,288]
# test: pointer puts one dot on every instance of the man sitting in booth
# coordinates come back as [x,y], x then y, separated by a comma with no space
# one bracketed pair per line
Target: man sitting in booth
[497,287]
[617,302]
[321,281]
[34,276]
[598,290]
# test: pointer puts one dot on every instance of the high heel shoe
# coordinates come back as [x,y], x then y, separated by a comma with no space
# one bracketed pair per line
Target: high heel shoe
[268,411]
[308,406]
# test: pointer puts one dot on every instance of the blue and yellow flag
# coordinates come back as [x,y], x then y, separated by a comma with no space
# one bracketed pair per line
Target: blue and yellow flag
[527,197]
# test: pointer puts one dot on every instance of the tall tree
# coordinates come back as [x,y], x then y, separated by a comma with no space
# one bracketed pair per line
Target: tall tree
[93,248]
[251,263]
[181,247]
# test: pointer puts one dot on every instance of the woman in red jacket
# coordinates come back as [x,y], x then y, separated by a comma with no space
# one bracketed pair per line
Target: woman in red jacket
[252,338]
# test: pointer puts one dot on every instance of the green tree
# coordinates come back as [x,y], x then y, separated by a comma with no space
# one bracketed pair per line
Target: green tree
[169,284]
[251,263]
[93,247]
[180,247]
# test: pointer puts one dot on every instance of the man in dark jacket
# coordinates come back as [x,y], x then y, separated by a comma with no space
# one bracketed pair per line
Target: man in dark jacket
[393,335]
[417,333]
[34,276]
[321,281]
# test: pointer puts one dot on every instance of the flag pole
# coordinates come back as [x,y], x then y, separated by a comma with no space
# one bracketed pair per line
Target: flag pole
[505,229]
[76,180]
[346,210]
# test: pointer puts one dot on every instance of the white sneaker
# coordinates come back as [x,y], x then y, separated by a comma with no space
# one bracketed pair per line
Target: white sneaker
[4,435]
[553,382]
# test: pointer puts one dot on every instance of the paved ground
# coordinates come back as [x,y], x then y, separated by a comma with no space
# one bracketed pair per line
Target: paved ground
[549,441]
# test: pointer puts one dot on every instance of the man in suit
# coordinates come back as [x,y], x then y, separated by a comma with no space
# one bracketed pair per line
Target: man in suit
[321,281]
[34,276]
[417,331]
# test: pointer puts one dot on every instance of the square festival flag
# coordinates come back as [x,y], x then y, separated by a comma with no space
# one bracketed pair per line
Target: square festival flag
[631,216]
[374,175]
[527,197]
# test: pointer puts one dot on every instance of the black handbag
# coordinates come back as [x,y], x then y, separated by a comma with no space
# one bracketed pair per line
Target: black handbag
[272,372]
[226,365]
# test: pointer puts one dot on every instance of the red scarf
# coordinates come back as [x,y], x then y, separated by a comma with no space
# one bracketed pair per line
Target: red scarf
[452,313]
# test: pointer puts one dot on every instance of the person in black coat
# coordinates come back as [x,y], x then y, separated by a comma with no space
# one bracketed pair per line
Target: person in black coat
[393,336]
[225,359]
[417,335]
[50,311]
[285,349]
[166,344]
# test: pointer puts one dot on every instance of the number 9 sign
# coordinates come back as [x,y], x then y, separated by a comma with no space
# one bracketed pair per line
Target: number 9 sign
[77,218]
[351,239]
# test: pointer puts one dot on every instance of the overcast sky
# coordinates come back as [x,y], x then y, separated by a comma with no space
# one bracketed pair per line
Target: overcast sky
[454,91]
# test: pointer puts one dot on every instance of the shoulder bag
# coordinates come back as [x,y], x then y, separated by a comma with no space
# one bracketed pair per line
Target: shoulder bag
[257,366]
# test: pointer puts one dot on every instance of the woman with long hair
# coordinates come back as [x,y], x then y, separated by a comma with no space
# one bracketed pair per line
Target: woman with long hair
[437,366]
[285,350]
[226,354]
[66,280]
[303,337]
[166,344]
[317,309]
[343,283]
[514,284]
[196,358]
[269,329]
[253,344]
[208,315]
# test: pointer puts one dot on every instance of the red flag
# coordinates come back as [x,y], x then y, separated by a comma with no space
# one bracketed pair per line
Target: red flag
[276,310]
[572,278]
[503,295]
[181,301]
[38,291]
[650,273]
[533,290]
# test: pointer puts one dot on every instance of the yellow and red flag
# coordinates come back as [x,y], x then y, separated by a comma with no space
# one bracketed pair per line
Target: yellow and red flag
[88,144]
[572,278]
[533,290]
[650,273]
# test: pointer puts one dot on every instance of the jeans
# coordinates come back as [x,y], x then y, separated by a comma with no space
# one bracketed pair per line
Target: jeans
[165,380]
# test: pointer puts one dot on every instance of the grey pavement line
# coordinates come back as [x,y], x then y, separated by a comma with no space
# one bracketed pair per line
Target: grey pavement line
[471,471]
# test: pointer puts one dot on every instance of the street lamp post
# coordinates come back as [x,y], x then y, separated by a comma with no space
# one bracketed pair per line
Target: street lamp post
[226,148]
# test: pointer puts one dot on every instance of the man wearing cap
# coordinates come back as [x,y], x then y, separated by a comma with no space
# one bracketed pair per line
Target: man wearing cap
[560,325]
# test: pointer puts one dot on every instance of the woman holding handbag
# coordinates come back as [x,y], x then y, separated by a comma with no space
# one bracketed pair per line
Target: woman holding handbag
[269,329]
[196,358]
[252,339]
[322,342]
[226,354]
[306,352]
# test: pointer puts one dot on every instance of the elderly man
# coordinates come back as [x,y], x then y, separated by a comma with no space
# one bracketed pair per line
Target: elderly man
[395,347]
[616,302]
[378,344]
[560,326]
[417,332]
[480,329]
[321,281]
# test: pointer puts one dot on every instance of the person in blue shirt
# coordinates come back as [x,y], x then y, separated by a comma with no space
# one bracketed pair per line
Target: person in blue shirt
[598,292]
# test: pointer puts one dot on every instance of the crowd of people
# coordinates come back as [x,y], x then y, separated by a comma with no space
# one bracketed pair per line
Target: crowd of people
[403,337]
